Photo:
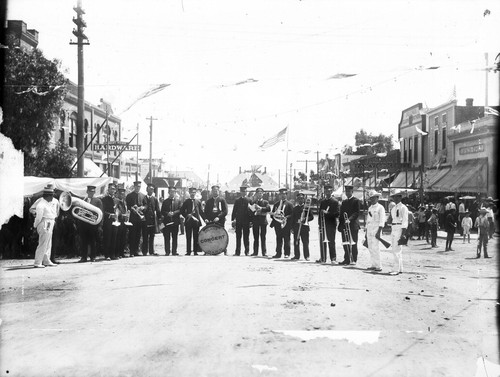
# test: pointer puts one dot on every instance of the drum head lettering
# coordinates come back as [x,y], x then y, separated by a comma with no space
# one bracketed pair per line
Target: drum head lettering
[213,239]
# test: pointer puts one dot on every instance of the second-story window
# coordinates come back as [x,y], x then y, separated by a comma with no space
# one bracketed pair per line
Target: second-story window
[444,119]
[444,138]
[436,121]
[436,141]
[72,130]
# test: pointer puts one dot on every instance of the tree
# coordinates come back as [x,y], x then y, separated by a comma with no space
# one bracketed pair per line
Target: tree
[56,162]
[34,90]
[369,144]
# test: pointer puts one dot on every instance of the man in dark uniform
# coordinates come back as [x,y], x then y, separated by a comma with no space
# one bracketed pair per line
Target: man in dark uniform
[151,214]
[216,209]
[259,222]
[281,222]
[301,215]
[121,232]
[329,210]
[240,220]
[134,204]
[171,212]
[349,208]
[89,233]
[108,230]
[191,210]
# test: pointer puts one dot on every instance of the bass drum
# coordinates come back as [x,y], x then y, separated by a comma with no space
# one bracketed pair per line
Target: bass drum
[213,239]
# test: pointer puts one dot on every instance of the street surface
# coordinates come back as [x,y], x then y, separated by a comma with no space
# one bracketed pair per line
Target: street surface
[253,316]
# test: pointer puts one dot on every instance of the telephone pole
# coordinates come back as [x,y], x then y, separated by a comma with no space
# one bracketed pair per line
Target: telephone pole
[151,147]
[81,41]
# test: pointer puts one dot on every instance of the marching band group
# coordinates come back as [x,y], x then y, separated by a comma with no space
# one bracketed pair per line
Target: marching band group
[140,215]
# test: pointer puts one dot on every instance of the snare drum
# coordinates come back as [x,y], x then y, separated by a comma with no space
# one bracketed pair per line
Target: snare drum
[213,239]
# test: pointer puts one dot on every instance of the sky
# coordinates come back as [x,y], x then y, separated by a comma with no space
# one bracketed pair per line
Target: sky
[241,71]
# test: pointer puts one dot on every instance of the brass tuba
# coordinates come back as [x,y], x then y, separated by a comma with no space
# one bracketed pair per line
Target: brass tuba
[80,209]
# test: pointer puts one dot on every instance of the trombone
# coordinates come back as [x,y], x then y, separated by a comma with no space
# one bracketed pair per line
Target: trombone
[347,236]
[323,238]
[304,220]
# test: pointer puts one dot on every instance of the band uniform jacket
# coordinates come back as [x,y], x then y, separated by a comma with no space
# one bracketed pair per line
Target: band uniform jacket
[151,208]
[333,210]
[287,212]
[297,217]
[191,208]
[133,199]
[259,217]
[241,213]
[216,207]
[108,207]
[171,205]
[351,207]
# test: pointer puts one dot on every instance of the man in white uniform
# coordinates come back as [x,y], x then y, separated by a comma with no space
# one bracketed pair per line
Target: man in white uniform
[47,210]
[375,221]
[399,215]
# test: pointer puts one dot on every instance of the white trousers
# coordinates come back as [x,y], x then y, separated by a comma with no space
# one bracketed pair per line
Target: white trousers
[397,250]
[42,253]
[373,246]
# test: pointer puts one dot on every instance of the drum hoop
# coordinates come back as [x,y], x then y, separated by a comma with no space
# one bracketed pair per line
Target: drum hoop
[214,225]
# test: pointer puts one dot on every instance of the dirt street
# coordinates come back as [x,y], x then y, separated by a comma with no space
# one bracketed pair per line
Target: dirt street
[253,316]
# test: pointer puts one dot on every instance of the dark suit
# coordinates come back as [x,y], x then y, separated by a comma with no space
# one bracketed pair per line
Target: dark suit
[191,210]
[171,223]
[151,214]
[282,234]
[259,226]
[241,214]
[333,211]
[216,208]
[134,235]
[108,230]
[89,234]
[350,207]
[304,231]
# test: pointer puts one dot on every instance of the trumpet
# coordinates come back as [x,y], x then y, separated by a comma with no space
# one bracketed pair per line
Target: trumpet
[80,209]
[138,211]
[117,215]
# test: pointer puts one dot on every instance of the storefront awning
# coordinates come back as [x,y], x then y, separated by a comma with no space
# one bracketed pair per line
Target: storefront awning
[406,179]
[465,176]
[432,176]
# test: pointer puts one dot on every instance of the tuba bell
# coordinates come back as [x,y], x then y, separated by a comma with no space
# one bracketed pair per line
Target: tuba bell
[80,209]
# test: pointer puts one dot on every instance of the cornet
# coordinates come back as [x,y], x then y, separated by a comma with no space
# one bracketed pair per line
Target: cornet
[80,209]
[138,211]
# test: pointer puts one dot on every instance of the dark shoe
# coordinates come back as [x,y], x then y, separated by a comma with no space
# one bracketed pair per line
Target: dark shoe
[295,258]
[264,254]
[175,254]
[344,263]
[82,260]
[195,253]
[276,257]
[92,259]
[307,259]
[246,254]
[236,255]
[55,262]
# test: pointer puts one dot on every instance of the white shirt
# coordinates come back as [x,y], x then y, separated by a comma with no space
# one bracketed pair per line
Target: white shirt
[399,214]
[46,210]
[376,215]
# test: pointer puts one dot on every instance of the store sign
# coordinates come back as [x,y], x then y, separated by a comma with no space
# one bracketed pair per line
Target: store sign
[472,149]
[117,147]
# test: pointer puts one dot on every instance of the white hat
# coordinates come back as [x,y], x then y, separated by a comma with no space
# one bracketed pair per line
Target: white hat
[373,193]
[397,192]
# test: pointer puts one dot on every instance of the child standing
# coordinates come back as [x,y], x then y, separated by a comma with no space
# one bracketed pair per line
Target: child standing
[482,224]
[433,226]
[466,225]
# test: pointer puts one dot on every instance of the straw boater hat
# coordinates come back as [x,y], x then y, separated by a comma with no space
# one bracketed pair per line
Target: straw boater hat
[48,190]
[483,210]
[373,193]
[397,193]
